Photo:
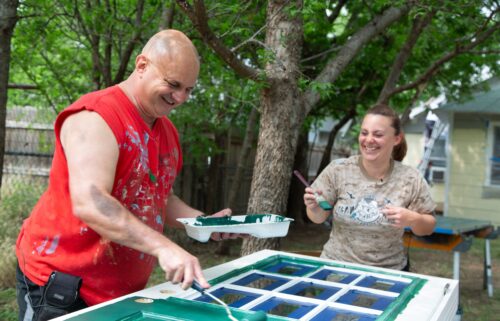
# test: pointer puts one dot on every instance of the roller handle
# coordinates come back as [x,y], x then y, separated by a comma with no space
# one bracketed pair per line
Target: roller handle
[197,286]
[320,199]
[302,179]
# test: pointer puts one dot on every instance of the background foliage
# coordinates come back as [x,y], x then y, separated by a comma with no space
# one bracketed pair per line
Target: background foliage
[67,48]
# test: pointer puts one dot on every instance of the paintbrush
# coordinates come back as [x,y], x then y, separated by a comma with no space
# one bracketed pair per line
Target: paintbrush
[197,286]
[319,198]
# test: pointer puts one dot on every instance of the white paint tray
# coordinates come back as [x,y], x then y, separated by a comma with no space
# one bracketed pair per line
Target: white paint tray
[258,225]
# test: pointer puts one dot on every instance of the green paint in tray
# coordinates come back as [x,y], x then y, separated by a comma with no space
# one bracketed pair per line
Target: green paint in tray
[232,220]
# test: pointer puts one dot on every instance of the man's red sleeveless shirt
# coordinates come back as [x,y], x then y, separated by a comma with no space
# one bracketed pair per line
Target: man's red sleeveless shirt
[53,238]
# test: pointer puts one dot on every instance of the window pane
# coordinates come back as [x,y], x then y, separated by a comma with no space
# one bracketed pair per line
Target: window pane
[496,142]
[439,148]
[495,159]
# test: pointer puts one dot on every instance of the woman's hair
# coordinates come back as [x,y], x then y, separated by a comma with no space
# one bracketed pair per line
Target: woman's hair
[399,151]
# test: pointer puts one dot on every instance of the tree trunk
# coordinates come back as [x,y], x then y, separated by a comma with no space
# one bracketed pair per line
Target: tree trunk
[282,113]
[325,158]
[215,190]
[8,20]
[167,16]
[243,158]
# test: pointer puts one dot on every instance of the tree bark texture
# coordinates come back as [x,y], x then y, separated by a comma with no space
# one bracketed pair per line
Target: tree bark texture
[8,20]
[281,116]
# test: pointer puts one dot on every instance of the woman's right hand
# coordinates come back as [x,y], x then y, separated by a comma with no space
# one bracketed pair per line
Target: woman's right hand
[315,213]
[310,200]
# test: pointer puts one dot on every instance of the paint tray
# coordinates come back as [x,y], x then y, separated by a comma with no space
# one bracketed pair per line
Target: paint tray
[258,225]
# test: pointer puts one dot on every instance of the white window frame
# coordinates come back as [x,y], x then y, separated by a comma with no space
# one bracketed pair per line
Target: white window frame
[437,169]
[489,152]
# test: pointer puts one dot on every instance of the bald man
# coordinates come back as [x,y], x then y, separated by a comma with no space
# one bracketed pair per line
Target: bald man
[96,233]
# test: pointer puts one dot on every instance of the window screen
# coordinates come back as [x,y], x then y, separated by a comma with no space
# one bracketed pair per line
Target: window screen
[495,157]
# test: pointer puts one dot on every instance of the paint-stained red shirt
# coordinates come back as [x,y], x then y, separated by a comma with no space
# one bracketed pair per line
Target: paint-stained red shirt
[53,238]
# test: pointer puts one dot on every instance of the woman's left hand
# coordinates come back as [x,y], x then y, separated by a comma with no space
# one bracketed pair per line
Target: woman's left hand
[398,216]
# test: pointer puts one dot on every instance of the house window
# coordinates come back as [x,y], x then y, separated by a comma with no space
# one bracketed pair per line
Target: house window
[437,161]
[494,157]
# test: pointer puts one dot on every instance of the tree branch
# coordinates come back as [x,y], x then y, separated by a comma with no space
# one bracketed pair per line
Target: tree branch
[167,17]
[93,40]
[484,52]
[198,17]
[325,158]
[336,11]
[349,50]
[22,86]
[108,49]
[459,49]
[418,27]
[251,39]
[129,48]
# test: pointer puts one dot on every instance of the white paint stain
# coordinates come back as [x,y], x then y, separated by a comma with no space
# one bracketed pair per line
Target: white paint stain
[53,245]
[41,247]
[52,248]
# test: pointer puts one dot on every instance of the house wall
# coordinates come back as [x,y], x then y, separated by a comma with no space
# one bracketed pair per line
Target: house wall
[468,169]
[415,151]
[413,157]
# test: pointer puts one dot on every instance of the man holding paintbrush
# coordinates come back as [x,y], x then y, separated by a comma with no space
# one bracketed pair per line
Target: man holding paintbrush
[96,233]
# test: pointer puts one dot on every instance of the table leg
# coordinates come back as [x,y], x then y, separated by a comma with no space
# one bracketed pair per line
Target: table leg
[488,275]
[456,265]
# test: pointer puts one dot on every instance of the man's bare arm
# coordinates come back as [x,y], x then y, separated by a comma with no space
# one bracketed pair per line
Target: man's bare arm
[92,153]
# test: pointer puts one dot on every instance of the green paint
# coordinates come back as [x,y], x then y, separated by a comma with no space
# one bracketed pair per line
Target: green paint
[389,314]
[228,220]
[152,177]
[170,309]
[398,305]
[325,205]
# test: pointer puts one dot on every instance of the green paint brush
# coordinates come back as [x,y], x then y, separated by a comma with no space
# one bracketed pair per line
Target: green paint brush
[319,198]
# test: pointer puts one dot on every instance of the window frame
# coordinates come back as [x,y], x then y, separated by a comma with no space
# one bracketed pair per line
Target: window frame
[489,152]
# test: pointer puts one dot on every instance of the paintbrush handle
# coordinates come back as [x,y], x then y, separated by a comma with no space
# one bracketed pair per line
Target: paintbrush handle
[319,198]
[302,179]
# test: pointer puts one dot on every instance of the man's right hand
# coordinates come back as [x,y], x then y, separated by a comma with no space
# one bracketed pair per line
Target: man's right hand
[180,266]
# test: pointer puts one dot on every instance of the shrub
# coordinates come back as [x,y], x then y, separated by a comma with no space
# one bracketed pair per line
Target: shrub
[14,208]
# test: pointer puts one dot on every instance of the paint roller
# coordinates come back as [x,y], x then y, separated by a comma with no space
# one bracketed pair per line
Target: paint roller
[257,316]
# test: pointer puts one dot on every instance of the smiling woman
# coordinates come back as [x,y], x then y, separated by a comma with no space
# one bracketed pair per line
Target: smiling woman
[375,197]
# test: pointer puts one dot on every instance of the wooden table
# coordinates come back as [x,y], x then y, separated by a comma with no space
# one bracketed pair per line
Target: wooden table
[456,234]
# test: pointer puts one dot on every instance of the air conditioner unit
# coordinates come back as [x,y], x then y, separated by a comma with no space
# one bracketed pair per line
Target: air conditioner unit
[437,174]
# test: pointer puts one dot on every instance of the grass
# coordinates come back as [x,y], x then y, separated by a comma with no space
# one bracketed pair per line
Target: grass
[474,300]
[8,304]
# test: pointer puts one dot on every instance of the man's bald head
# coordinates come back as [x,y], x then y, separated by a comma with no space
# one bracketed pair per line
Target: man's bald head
[165,73]
[169,42]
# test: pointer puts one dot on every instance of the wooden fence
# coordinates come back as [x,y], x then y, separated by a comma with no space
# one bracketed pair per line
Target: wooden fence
[28,157]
